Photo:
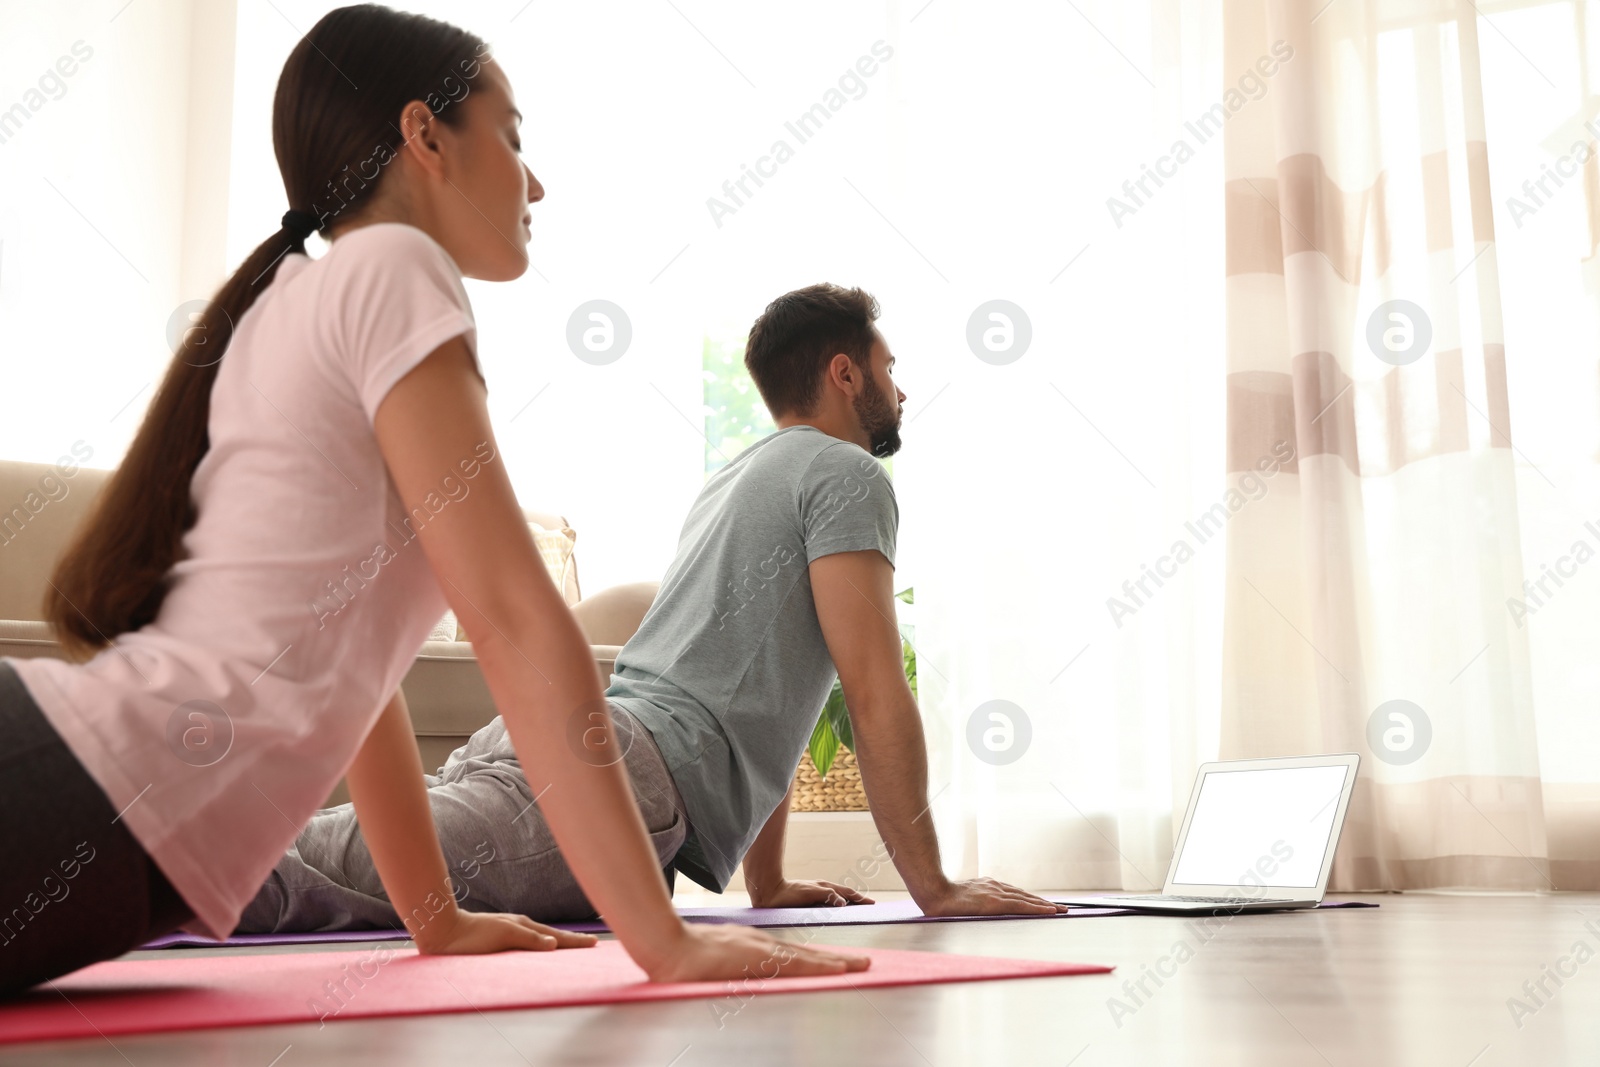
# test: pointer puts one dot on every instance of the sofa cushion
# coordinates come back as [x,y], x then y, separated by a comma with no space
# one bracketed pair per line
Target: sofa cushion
[612,616]
[448,696]
[556,546]
[27,638]
[40,506]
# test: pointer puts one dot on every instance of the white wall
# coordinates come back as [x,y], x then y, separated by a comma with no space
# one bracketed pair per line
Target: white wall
[95,191]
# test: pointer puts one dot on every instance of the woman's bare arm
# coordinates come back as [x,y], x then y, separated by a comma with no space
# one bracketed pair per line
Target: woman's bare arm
[391,801]
[540,671]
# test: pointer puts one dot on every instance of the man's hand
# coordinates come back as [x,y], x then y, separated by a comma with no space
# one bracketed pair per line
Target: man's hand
[985,896]
[787,894]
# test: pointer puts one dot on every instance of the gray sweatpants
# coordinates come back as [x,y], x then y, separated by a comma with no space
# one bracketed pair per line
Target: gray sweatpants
[500,853]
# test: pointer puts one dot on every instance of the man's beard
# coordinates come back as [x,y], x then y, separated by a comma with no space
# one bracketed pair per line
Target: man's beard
[880,419]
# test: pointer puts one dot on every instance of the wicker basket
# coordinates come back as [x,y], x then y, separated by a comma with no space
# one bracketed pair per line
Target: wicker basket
[840,791]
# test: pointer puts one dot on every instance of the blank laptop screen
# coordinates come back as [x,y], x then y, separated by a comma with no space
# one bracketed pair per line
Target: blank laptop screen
[1261,827]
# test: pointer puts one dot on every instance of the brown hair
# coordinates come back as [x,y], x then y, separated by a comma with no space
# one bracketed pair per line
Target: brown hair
[798,334]
[333,129]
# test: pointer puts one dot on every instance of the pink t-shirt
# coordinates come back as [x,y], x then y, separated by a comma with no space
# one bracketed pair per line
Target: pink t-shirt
[305,596]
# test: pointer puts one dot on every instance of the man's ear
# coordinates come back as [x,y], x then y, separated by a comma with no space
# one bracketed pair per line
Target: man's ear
[843,374]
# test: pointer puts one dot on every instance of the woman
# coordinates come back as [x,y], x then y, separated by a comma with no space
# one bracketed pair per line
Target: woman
[315,482]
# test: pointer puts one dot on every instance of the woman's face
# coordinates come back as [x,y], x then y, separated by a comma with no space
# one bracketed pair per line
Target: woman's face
[482,207]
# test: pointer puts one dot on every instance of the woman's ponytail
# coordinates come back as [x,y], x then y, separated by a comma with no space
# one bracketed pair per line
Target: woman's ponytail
[112,578]
[114,574]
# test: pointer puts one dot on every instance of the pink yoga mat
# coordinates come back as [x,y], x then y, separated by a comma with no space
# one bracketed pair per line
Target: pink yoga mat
[206,991]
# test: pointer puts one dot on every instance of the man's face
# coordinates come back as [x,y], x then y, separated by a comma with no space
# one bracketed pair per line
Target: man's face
[879,417]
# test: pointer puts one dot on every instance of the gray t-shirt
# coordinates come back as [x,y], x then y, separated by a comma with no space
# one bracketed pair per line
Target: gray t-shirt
[729,670]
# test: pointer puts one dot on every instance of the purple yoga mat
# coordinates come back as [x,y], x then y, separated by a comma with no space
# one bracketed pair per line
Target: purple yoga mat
[898,911]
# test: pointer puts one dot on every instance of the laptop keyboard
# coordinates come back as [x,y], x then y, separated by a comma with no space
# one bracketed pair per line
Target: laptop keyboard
[1214,900]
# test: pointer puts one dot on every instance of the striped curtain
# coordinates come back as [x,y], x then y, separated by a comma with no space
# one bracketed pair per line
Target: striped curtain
[1366,596]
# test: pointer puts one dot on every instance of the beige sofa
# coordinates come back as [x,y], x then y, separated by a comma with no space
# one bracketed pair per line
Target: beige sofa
[40,507]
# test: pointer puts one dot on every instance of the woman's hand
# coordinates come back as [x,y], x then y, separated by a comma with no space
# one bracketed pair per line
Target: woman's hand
[725,953]
[467,933]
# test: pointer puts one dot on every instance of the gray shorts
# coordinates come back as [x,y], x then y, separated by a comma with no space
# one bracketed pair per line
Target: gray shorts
[500,852]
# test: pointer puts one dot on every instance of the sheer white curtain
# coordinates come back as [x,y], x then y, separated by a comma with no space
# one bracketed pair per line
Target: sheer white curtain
[1054,159]
[1541,72]
[1366,611]
[1044,517]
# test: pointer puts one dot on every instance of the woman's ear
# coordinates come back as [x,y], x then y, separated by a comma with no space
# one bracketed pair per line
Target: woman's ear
[418,126]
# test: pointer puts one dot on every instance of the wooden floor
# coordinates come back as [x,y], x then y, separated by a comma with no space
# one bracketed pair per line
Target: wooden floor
[1423,980]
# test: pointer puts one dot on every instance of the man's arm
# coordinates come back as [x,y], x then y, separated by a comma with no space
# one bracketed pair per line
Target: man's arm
[854,594]
[763,871]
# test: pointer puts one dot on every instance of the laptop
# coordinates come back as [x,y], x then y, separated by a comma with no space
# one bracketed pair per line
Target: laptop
[1259,835]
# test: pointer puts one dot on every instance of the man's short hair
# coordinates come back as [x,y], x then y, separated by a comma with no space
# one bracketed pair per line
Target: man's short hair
[798,334]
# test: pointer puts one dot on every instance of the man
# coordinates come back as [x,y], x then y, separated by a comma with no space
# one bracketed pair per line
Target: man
[784,575]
